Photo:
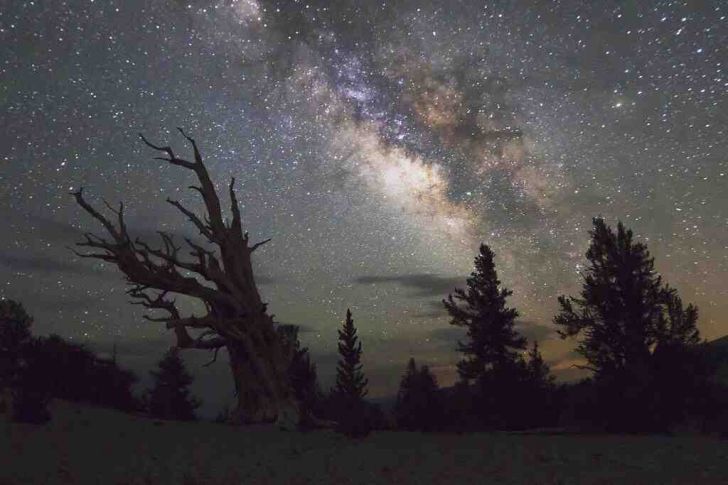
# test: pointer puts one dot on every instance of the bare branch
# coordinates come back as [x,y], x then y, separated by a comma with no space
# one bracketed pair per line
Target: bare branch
[257,245]
[203,228]
[96,214]
[168,150]
[198,157]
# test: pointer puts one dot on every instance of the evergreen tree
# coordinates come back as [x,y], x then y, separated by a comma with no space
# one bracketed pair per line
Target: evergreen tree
[349,407]
[626,321]
[302,371]
[481,309]
[460,413]
[418,405]
[350,381]
[538,371]
[621,303]
[540,391]
[15,326]
[74,373]
[170,397]
[32,392]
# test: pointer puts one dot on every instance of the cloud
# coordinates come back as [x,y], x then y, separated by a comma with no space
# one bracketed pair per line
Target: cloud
[434,309]
[44,263]
[424,284]
[132,347]
[531,330]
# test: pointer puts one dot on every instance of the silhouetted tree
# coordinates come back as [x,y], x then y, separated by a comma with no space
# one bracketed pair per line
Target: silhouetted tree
[41,368]
[418,405]
[304,377]
[460,410]
[492,352]
[75,373]
[219,274]
[350,381]
[348,394]
[538,371]
[627,322]
[541,390]
[15,326]
[19,371]
[32,393]
[169,397]
[481,309]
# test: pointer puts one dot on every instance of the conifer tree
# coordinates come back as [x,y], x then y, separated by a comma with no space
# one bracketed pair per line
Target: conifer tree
[538,371]
[540,393]
[302,372]
[15,334]
[347,398]
[350,381]
[418,405]
[481,308]
[621,304]
[170,397]
[628,322]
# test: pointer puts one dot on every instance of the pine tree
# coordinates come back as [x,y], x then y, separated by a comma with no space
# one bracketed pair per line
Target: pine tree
[418,405]
[621,303]
[539,372]
[170,397]
[350,381]
[481,309]
[541,391]
[628,323]
[15,334]
[347,397]
[303,375]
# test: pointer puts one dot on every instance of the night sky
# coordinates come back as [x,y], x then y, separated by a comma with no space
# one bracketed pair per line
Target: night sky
[378,143]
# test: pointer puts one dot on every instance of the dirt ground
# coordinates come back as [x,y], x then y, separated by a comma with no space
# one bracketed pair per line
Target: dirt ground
[87,445]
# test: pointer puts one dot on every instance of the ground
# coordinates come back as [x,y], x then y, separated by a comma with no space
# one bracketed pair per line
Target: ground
[87,445]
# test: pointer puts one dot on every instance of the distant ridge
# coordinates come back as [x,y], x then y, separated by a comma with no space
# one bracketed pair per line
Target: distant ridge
[717,351]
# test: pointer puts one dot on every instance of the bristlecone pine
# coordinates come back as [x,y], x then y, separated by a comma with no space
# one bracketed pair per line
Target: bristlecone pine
[219,273]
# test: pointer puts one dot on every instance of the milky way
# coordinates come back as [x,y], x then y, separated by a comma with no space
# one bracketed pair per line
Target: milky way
[377,143]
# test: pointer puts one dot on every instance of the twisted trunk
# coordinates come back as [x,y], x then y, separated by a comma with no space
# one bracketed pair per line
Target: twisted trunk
[220,275]
[258,400]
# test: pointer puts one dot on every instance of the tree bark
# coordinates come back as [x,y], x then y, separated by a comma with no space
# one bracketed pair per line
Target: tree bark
[262,384]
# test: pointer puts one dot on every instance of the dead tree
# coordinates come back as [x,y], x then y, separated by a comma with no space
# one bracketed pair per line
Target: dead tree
[220,274]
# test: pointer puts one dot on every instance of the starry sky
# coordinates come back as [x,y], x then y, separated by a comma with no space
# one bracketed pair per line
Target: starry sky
[378,143]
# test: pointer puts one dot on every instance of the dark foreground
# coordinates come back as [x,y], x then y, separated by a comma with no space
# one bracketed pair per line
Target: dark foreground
[85,445]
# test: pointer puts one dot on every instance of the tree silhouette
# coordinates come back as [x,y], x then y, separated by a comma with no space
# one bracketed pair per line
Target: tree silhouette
[15,326]
[627,321]
[538,371]
[304,377]
[169,397]
[19,371]
[481,309]
[541,391]
[350,381]
[418,405]
[220,275]
[32,392]
[347,398]
[74,373]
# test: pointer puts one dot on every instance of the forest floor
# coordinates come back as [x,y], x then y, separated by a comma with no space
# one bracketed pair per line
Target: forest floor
[89,445]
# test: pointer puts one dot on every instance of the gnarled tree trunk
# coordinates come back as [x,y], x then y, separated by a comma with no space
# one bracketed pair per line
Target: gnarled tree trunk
[219,274]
